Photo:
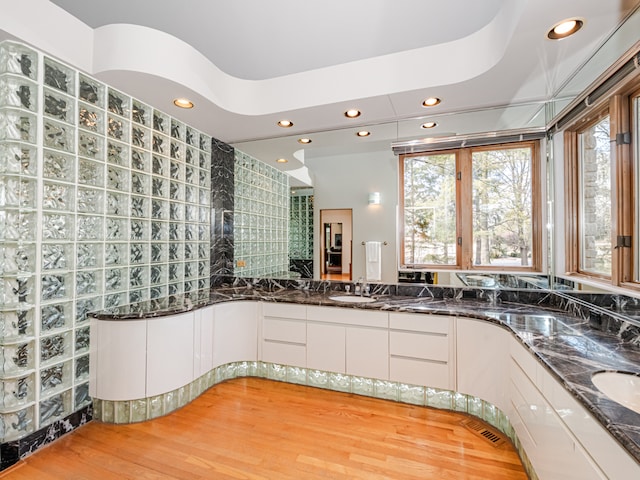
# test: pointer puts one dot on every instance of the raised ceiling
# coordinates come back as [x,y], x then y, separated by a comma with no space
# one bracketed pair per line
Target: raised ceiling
[248,63]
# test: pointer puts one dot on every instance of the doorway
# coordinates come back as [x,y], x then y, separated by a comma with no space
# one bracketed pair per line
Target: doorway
[335,244]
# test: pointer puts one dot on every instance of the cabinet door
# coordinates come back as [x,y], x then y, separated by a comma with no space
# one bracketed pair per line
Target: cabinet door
[203,341]
[367,352]
[235,333]
[326,347]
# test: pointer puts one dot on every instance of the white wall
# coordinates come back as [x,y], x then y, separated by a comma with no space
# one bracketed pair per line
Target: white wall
[345,181]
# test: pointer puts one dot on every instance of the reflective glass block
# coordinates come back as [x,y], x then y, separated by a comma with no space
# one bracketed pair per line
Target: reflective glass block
[16,392]
[118,128]
[176,232]
[161,122]
[138,276]
[17,192]
[140,183]
[139,206]
[203,269]
[91,91]
[176,191]
[137,296]
[16,58]
[115,300]
[138,253]
[176,170]
[176,272]
[205,143]
[117,204]
[90,118]
[58,196]
[204,215]
[175,288]
[18,226]
[88,255]
[204,178]
[159,291]
[159,187]
[115,253]
[205,197]
[55,407]
[18,158]
[177,129]
[16,324]
[56,378]
[159,253]
[57,316]
[57,227]
[59,136]
[203,250]
[17,258]
[140,160]
[139,230]
[90,145]
[17,358]
[90,200]
[88,282]
[176,211]
[191,251]
[159,230]
[117,178]
[81,395]
[56,286]
[159,166]
[191,156]
[140,113]
[118,103]
[82,363]
[17,91]
[190,194]
[17,125]
[17,424]
[157,274]
[86,305]
[117,153]
[160,144]
[115,279]
[190,270]
[89,227]
[190,230]
[176,150]
[58,106]
[90,172]
[58,76]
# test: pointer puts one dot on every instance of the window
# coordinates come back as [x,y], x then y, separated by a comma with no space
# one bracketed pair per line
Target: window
[473,208]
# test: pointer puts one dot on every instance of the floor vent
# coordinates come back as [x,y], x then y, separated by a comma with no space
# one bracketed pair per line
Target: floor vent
[492,436]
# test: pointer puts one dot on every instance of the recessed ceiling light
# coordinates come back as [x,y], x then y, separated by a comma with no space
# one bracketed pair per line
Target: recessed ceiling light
[431,102]
[565,28]
[304,141]
[285,123]
[363,133]
[183,103]
[428,125]
[352,113]
[282,160]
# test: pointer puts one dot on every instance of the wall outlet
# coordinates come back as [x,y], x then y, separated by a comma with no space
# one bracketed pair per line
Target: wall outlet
[241,263]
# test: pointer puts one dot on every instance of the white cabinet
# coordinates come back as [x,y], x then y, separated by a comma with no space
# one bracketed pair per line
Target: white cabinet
[169,353]
[422,350]
[235,333]
[203,340]
[326,346]
[367,351]
[284,334]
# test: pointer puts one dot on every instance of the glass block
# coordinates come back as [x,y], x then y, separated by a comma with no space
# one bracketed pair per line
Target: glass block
[90,145]
[157,274]
[90,118]
[138,230]
[90,173]
[118,128]
[176,170]
[339,382]
[159,211]
[176,211]
[118,103]
[16,58]
[59,136]
[85,306]
[58,256]
[121,412]
[18,226]
[474,406]
[140,113]
[17,392]
[88,282]
[191,156]
[58,196]
[138,253]
[56,286]
[205,197]
[59,106]
[18,158]
[176,151]
[203,269]
[140,183]
[17,258]
[89,227]
[159,230]
[176,232]
[16,324]
[177,129]
[57,316]
[161,122]
[17,125]
[117,204]
[176,191]
[204,161]
[204,233]
[81,396]
[17,424]
[204,284]
[16,91]
[17,192]
[159,291]
[204,215]
[115,300]
[138,276]
[386,390]
[91,91]
[117,153]
[190,230]
[190,194]
[57,227]
[190,251]
[58,76]
[439,398]
[191,136]
[139,206]
[55,408]
[175,288]
[176,272]
[159,166]
[139,160]
[137,296]
[90,200]
[115,279]
[205,142]
[176,251]
[159,253]
[204,178]
[159,187]
[191,175]
[362,386]
[317,378]
[190,286]
[160,144]
[88,255]
[115,253]
[190,270]
[117,178]
[17,358]
[140,137]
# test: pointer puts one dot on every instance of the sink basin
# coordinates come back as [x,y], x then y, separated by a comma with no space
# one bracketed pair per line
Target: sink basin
[621,387]
[352,299]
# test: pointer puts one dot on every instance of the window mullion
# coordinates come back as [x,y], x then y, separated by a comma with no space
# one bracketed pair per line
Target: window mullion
[465,209]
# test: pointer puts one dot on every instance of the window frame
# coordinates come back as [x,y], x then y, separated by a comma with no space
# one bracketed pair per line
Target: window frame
[464,212]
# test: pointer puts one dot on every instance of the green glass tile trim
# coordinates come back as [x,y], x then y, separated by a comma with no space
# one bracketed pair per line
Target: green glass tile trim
[131,411]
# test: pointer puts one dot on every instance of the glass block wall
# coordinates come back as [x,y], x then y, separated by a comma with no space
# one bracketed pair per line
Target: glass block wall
[301,224]
[103,201]
[260,219]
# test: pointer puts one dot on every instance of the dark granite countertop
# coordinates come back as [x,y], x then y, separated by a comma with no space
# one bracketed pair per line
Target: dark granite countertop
[569,340]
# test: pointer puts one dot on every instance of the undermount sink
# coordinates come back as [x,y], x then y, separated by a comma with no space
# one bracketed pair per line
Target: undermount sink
[352,299]
[621,387]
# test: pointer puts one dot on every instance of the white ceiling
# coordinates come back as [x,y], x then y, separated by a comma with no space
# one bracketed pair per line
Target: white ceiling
[248,63]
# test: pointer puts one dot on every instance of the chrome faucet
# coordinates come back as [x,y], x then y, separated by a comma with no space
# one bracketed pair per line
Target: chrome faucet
[361,287]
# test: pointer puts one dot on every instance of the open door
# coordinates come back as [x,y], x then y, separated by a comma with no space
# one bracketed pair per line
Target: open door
[336,244]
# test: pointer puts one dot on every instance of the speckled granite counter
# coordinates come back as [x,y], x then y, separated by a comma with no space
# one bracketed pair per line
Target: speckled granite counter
[571,338]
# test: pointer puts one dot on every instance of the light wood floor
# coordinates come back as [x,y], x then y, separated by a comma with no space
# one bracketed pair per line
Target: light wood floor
[259,429]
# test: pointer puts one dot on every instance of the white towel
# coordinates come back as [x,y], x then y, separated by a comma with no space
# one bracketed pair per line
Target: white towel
[373,261]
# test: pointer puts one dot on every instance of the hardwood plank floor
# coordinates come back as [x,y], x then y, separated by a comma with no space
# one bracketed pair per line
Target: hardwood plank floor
[256,429]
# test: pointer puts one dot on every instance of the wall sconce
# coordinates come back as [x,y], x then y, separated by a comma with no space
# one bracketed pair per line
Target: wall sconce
[374,198]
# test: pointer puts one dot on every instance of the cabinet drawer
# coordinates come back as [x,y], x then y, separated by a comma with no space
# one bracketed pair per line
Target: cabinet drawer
[284,330]
[284,310]
[419,372]
[348,316]
[418,345]
[419,322]
[284,353]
